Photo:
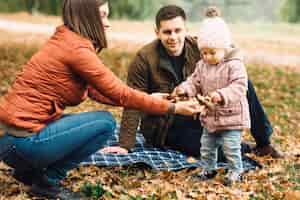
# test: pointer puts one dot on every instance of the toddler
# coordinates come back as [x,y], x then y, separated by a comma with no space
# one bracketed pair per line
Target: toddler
[220,74]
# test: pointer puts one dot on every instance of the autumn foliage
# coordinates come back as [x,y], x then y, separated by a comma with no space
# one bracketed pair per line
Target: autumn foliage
[279,91]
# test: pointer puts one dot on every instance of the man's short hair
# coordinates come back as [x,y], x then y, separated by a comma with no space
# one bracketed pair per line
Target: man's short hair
[167,13]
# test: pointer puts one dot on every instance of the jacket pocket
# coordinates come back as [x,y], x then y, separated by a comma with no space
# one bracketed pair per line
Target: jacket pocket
[229,116]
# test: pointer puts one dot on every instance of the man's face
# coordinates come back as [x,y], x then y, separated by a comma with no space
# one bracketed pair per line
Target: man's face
[172,34]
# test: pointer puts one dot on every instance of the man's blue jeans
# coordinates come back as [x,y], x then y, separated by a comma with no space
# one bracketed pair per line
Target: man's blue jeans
[230,141]
[261,128]
[61,145]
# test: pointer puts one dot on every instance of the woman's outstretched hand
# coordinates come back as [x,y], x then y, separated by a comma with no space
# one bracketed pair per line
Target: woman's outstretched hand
[114,149]
[187,108]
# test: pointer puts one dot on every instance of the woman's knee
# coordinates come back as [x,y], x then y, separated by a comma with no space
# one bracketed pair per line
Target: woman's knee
[109,119]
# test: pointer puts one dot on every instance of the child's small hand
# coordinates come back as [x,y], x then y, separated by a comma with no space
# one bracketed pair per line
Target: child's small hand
[216,98]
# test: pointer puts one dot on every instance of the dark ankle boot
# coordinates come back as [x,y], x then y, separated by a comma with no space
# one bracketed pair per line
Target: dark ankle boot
[41,187]
[268,150]
[25,177]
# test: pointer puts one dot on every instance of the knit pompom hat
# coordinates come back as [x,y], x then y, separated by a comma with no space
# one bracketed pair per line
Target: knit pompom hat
[214,32]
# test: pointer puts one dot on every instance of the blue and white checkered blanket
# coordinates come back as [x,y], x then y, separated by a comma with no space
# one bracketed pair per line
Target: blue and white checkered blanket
[156,158]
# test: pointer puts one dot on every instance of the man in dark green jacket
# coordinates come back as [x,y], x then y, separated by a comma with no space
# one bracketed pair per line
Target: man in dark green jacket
[158,68]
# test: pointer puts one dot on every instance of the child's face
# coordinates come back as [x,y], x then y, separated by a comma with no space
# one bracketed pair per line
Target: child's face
[212,56]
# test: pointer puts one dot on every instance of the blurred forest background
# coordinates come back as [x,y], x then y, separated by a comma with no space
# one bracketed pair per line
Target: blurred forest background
[233,10]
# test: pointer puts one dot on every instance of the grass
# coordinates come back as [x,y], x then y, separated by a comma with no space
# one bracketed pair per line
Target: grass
[94,191]
[278,90]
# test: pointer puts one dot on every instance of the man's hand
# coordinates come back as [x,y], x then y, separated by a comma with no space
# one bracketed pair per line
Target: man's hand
[216,98]
[115,150]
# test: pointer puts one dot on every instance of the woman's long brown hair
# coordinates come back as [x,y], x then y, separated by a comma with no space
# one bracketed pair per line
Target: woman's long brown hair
[83,17]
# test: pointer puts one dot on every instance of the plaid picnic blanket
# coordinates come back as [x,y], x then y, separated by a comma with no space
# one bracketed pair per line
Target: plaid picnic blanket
[157,159]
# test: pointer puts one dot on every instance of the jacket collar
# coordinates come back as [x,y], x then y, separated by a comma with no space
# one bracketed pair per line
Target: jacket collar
[165,63]
[63,31]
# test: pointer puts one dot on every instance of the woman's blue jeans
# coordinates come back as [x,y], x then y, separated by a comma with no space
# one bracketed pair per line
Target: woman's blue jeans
[61,145]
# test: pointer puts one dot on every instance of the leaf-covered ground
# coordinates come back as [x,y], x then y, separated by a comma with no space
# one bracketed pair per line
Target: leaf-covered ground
[279,91]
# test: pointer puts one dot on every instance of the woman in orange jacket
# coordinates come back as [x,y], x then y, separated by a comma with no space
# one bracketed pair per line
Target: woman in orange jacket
[40,142]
